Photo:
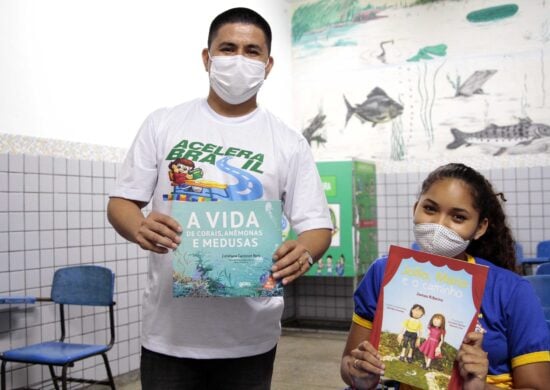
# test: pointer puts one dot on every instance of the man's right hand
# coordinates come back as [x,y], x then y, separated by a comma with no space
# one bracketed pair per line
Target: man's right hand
[158,233]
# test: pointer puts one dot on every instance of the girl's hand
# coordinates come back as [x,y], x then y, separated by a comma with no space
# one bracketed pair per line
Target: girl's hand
[472,362]
[365,366]
[399,338]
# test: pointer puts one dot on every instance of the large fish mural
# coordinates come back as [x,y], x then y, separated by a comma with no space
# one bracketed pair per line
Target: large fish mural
[378,108]
[502,137]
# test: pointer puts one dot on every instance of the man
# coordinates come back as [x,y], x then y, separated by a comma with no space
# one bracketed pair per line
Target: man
[219,343]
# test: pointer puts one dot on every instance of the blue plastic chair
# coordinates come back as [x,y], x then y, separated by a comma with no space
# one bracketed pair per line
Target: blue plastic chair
[543,256]
[541,284]
[543,269]
[88,285]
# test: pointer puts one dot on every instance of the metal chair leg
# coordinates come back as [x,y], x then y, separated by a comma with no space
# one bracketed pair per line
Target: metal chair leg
[3,374]
[108,368]
[54,378]
[64,377]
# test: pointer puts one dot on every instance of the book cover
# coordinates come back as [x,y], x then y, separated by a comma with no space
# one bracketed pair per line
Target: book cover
[429,303]
[226,249]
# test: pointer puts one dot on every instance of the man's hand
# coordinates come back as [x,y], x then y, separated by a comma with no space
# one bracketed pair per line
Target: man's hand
[158,233]
[290,261]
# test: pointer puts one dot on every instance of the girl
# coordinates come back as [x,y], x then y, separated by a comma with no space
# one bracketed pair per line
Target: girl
[431,347]
[459,215]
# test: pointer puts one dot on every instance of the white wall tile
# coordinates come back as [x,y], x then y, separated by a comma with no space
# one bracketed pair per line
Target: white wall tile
[85,168]
[31,164]
[73,184]
[15,162]
[17,241]
[60,220]
[60,166]
[45,164]
[16,221]
[73,167]
[17,261]
[15,182]
[32,259]
[32,240]
[46,202]
[15,201]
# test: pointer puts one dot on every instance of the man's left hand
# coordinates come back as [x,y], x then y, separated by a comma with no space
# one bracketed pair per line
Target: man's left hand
[291,261]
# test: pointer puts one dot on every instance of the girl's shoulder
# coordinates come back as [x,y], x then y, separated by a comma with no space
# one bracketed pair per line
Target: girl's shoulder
[503,281]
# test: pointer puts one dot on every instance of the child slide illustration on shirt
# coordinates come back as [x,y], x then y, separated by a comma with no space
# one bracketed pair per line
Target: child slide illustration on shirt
[426,306]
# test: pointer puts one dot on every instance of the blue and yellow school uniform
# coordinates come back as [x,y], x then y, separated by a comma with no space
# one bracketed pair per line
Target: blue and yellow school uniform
[517,333]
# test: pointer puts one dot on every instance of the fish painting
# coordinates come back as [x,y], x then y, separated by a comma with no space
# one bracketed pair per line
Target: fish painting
[378,108]
[313,131]
[473,84]
[503,137]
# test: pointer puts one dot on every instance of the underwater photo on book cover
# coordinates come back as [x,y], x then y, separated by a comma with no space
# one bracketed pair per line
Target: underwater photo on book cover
[226,249]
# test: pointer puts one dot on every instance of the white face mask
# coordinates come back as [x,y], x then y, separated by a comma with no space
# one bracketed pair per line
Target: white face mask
[439,240]
[236,78]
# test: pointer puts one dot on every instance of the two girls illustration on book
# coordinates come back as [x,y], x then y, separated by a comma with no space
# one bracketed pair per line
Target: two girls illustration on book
[409,338]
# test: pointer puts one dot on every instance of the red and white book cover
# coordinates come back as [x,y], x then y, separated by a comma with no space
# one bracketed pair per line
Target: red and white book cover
[428,304]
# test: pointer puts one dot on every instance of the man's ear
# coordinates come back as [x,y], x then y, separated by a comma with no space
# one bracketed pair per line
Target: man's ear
[205,58]
[481,228]
[269,66]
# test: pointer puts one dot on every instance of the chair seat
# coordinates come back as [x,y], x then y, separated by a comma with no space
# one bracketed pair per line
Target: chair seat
[53,352]
[535,260]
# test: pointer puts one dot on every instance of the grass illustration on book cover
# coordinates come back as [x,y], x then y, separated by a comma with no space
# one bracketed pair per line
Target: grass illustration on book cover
[226,249]
[429,303]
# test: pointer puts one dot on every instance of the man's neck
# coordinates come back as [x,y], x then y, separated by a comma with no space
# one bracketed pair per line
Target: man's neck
[231,110]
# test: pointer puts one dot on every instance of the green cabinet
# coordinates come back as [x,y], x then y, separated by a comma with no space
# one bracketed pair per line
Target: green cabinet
[350,188]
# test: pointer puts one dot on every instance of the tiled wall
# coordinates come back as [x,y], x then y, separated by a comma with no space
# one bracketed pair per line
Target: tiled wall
[52,214]
[526,189]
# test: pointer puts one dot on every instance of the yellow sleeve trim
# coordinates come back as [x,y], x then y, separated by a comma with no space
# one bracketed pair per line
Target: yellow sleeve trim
[361,321]
[502,381]
[534,357]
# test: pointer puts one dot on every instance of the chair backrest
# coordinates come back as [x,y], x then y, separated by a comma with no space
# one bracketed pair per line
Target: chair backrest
[90,285]
[519,251]
[543,269]
[541,284]
[543,249]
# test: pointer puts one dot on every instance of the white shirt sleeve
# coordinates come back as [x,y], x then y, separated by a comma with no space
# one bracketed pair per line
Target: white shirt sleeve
[305,204]
[138,175]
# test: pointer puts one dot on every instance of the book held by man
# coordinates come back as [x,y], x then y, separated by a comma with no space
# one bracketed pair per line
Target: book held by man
[427,304]
[226,249]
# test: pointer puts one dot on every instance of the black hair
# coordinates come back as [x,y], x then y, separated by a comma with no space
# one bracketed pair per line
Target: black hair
[497,244]
[417,306]
[240,15]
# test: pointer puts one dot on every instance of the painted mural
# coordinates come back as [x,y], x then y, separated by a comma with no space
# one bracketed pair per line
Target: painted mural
[401,80]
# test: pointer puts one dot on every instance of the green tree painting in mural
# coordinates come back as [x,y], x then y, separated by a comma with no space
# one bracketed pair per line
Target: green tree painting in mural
[321,15]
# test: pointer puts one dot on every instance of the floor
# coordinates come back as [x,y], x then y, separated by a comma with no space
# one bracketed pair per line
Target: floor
[308,360]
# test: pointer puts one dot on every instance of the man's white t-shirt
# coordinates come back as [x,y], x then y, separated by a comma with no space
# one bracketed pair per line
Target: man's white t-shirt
[255,157]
